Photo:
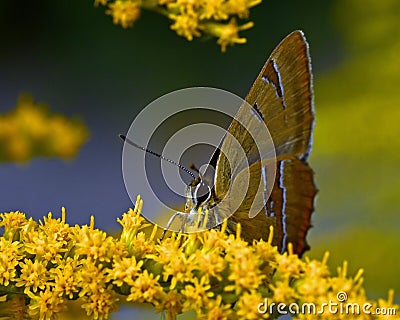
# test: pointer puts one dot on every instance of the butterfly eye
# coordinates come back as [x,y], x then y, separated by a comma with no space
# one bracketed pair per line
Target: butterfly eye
[188,205]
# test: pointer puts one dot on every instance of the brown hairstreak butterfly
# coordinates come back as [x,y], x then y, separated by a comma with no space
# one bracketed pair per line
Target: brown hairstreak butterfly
[278,181]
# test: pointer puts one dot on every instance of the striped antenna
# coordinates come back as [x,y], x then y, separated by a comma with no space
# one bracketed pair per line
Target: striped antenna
[128,141]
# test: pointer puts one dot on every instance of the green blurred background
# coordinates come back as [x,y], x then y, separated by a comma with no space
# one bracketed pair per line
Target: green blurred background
[70,55]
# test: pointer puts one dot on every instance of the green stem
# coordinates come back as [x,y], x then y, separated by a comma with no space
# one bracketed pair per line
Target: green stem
[152,5]
[171,315]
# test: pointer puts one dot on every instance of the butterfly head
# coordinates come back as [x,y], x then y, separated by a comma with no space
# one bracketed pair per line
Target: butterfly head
[198,195]
[200,208]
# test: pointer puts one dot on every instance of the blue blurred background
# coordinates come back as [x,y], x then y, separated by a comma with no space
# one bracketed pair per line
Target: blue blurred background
[70,55]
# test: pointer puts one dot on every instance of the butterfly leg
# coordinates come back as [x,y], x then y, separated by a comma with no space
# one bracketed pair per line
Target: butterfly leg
[169,224]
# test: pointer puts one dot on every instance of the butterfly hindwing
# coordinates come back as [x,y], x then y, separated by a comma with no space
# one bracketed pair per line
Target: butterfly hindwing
[288,208]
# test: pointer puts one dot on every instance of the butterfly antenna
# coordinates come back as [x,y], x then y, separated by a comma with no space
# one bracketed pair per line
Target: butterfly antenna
[157,155]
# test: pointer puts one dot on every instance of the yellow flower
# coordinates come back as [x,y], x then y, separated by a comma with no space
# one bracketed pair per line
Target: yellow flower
[66,137]
[91,278]
[241,7]
[10,254]
[7,270]
[12,223]
[34,275]
[217,310]
[290,265]
[343,283]
[314,282]
[244,266]
[100,304]
[166,250]
[179,268]
[171,302]
[190,18]
[125,271]
[45,305]
[32,117]
[140,246]
[282,291]
[266,252]
[214,9]
[146,288]
[388,305]
[96,245]
[317,269]
[18,149]
[247,306]
[45,246]
[30,130]
[186,25]
[185,5]
[227,34]
[210,264]
[214,240]
[124,13]
[65,278]
[196,294]
[175,263]
[131,223]
[218,276]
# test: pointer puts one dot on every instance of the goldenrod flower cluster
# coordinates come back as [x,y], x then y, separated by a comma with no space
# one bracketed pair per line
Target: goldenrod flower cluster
[44,264]
[30,130]
[190,18]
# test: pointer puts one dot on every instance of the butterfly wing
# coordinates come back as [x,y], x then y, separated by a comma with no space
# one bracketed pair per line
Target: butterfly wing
[282,98]
[288,208]
[283,95]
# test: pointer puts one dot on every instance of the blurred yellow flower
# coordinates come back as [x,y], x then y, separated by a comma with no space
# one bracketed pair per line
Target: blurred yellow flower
[186,25]
[228,35]
[124,13]
[190,18]
[216,275]
[31,131]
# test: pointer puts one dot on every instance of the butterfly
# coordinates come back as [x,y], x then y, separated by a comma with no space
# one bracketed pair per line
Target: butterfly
[259,176]
[282,99]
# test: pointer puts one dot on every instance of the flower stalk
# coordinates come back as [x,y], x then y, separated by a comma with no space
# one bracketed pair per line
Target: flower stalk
[190,19]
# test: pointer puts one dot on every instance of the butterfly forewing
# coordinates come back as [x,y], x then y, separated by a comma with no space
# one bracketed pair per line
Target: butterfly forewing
[282,93]
[281,98]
